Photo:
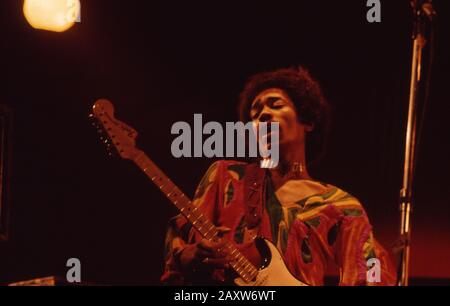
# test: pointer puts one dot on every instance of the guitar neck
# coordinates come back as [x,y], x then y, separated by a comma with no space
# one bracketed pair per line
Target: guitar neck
[200,222]
[177,197]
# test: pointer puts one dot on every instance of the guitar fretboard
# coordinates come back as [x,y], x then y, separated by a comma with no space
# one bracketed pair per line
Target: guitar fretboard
[243,267]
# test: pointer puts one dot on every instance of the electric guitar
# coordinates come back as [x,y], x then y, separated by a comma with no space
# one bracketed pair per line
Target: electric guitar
[271,271]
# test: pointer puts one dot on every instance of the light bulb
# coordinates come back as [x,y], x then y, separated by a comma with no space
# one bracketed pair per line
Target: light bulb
[52,15]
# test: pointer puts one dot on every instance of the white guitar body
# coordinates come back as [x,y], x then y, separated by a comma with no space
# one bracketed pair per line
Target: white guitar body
[274,271]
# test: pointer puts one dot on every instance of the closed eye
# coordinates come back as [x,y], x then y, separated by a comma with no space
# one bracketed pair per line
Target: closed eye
[272,102]
[278,104]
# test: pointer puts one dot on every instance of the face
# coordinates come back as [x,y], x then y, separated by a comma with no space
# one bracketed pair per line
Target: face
[274,105]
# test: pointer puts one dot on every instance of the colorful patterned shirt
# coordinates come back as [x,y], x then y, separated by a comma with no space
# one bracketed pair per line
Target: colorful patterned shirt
[311,223]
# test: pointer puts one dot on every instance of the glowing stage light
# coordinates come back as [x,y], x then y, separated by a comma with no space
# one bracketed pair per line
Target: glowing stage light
[52,15]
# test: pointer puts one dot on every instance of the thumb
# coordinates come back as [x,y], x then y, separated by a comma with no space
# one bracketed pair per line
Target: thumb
[223,230]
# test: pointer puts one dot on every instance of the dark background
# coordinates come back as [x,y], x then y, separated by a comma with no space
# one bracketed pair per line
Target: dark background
[163,61]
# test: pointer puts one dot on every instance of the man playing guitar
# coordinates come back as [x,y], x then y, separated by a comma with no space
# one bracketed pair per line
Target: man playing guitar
[311,223]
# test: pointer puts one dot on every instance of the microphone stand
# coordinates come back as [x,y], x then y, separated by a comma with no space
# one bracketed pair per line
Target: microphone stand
[423,13]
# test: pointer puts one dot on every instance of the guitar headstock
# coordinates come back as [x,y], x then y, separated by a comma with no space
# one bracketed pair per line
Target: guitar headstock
[114,133]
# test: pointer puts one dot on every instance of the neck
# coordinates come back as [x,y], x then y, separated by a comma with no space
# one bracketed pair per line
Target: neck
[293,163]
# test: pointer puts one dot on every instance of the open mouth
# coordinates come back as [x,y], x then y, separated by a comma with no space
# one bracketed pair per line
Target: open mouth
[268,136]
[270,139]
[270,133]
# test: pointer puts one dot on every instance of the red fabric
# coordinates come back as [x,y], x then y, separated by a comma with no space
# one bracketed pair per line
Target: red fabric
[331,226]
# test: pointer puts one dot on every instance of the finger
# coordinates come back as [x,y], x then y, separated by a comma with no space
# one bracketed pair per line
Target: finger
[222,230]
[220,253]
[218,249]
[212,245]
[202,254]
[207,245]
[217,253]
[217,262]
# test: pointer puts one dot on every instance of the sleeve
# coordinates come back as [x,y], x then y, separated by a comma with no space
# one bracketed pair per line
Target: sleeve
[180,232]
[362,260]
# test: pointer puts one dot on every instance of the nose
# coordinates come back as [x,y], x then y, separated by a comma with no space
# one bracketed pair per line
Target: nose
[265,115]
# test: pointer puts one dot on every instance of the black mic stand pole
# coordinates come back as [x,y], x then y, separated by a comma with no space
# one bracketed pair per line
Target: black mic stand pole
[423,12]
